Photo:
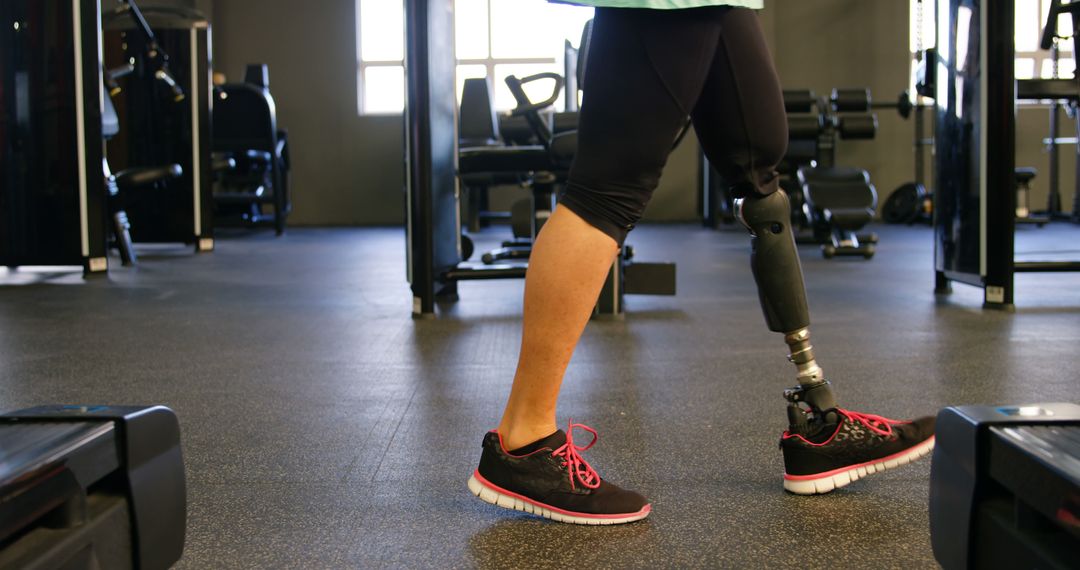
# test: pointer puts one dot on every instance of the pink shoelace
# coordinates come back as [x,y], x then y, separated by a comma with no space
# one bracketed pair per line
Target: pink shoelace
[570,453]
[877,424]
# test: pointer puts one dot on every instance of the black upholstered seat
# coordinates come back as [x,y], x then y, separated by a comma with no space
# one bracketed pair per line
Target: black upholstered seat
[1025,174]
[839,202]
[500,159]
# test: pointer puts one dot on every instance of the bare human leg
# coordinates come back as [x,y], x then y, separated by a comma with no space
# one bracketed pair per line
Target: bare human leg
[568,265]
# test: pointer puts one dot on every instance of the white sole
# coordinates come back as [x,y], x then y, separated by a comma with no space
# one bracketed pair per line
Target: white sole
[489,495]
[835,480]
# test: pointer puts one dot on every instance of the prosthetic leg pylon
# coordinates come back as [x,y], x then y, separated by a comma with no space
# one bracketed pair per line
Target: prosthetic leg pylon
[775,264]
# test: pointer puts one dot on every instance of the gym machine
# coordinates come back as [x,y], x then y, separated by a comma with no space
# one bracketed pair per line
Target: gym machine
[133,179]
[1005,487]
[53,199]
[975,194]
[486,162]
[479,126]
[1058,91]
[435,248]
[164,109]
[251,154]
[88,487]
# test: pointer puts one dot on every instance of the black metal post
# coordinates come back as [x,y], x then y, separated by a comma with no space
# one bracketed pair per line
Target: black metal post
[432,222]
[1000,153]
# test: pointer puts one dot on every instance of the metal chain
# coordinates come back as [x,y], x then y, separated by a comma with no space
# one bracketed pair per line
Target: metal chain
[1055,50]
[918,29]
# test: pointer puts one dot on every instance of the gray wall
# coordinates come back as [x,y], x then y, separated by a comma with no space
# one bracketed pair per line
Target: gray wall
[348,169]
[851,43]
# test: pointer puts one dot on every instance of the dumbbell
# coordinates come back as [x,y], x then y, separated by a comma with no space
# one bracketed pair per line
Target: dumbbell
[858,100]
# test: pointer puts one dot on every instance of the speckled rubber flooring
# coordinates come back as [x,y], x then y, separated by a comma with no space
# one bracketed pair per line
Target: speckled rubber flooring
[323,427]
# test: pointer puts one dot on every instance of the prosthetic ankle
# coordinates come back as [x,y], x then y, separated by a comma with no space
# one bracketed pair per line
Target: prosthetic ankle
[775,263]
[813,389]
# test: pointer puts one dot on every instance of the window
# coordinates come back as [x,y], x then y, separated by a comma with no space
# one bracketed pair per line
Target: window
[380,51]
[1031,62]
[490,41]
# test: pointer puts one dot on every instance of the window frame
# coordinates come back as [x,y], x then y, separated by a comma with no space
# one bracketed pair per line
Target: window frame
[489,63]
[362,65]
[1039,56]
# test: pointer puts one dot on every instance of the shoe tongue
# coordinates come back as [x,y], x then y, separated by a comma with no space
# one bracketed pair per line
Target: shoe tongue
[553,441]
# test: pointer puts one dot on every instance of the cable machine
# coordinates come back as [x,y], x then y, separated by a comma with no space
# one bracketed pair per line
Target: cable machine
[975,107]
[52,192]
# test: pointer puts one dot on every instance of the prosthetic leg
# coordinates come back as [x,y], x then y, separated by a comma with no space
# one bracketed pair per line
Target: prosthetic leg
[776,268]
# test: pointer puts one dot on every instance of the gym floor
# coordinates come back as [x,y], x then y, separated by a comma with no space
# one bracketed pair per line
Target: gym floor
[325,428]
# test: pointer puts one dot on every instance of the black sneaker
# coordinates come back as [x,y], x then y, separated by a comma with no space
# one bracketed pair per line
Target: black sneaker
[549,478]
[824,456]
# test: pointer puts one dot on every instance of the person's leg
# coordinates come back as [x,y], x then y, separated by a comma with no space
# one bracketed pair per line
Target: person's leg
[567,268]
[628,123]
[742,126]
[629,120]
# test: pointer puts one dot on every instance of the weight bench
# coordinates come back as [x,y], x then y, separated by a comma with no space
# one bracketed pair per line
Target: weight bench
[838,202]
[87,487]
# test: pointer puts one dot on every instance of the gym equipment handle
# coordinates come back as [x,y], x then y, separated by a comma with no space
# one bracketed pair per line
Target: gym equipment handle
[112,75]
[525,105]
[163,75]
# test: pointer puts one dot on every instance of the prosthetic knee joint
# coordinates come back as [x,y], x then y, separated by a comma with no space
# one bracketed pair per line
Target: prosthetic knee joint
[775,263]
